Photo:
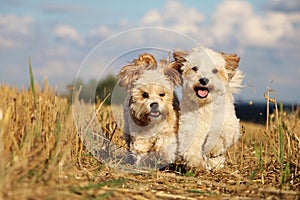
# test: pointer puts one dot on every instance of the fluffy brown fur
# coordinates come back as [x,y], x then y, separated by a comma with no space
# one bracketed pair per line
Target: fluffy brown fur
[151,111]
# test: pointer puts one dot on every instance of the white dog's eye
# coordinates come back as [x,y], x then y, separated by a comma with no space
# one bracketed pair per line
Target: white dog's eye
[162,94]
[215,70]
[195,68]
[145,95]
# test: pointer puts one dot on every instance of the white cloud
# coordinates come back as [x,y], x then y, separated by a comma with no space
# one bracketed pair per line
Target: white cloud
[101,31]
[176,16]
[232,23]
[227,19]
[236,20]
[13,23]
[153,17]
[176,11]
[265,31]
[67,33]
[16,32]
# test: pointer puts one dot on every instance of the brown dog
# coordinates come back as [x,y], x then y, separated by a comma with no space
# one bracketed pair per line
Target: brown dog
[151,111]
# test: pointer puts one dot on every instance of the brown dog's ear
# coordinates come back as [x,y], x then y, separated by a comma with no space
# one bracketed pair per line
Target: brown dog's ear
[180,58]
[147,60]
[134,70]
[232,63]
[173,74]
[128,74]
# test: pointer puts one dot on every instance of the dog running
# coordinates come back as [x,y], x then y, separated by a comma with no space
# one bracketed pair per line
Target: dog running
[151,111]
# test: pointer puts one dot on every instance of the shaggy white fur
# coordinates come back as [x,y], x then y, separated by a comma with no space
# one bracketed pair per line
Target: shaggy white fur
[208,124]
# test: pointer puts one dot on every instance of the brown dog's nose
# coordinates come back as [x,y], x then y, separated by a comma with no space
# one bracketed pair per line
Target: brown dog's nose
[154,106]
[204,81]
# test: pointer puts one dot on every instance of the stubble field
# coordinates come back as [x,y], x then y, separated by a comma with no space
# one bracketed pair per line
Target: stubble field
[42,157]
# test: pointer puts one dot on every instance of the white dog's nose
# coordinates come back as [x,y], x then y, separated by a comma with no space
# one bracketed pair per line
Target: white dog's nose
[204,81]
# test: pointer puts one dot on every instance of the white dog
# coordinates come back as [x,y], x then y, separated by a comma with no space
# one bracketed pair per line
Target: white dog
[208,124]
[151,111]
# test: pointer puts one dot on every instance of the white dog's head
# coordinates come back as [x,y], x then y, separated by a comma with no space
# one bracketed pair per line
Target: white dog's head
[207,74]
[150,89]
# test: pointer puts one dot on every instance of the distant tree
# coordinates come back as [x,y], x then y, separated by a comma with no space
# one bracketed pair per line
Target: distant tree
[87,89]
[106,87]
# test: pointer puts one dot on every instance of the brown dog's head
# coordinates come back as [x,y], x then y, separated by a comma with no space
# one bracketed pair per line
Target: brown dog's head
[131,72]
[150,88]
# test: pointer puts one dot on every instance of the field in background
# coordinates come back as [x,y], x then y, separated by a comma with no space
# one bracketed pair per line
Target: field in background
[42,157]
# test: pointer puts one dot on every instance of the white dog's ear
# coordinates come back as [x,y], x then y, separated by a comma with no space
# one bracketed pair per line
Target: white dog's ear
[130,73]
[172,74]
[232,63]
[180,58]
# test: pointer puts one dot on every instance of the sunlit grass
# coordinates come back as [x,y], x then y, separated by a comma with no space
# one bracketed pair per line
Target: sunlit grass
[260,163]
[42,156]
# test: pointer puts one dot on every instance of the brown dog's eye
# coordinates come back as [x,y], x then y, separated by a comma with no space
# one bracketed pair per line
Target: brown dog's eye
[195,68]
[145,95]
[162,94]
[215,70]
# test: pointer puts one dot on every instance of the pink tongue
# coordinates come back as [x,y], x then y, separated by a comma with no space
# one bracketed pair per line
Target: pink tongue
[202,93]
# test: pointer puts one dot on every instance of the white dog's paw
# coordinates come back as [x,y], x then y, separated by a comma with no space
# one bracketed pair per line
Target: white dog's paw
[193,160]
[216,163]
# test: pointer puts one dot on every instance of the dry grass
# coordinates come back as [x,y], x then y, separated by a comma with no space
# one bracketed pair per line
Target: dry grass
[42,157]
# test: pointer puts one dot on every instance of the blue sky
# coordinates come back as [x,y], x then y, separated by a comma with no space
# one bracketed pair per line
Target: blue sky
[58,36]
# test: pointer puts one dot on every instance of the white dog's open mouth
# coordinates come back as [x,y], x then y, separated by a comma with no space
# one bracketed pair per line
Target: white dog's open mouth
[154,114]
[201,92]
